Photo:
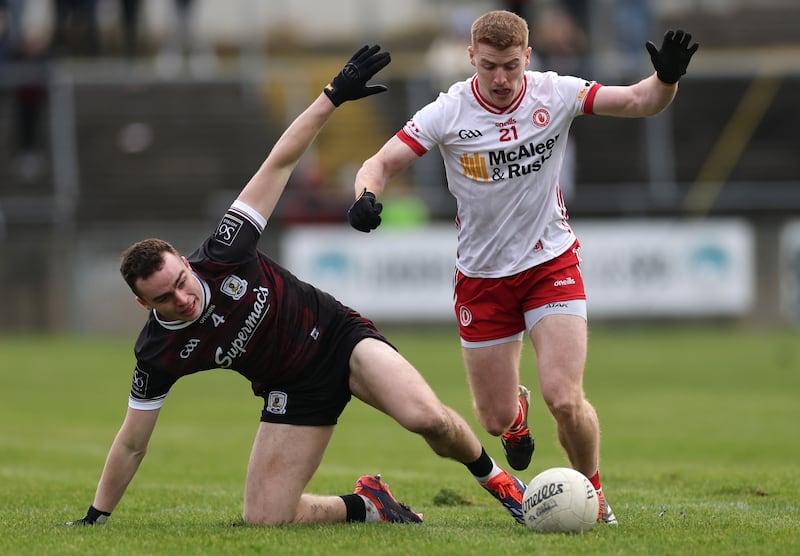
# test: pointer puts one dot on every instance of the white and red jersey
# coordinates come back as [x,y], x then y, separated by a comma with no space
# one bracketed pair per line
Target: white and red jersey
[502,166]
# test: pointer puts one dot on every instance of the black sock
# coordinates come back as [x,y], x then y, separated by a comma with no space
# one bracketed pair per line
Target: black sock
[356,510]
[482,466]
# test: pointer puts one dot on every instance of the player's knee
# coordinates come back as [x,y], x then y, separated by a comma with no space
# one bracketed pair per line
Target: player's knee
[496,427]
[430,421]
[565,406]
[267,513]
[264,519]
[496,421]
[256,518]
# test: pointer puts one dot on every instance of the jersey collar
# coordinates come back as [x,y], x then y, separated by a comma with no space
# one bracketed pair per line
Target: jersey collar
[489,107]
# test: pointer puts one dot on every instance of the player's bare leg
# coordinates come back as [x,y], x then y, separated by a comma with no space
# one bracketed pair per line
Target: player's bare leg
[384,379]
[277,476]
[560,342]
[493,373]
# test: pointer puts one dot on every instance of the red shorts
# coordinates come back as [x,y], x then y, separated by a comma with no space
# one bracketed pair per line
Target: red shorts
[493,308]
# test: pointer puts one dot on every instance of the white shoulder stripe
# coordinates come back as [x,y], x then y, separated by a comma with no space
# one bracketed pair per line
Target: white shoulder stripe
[255,217]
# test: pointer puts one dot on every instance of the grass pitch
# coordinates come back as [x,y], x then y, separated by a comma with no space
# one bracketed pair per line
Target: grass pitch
[700,453]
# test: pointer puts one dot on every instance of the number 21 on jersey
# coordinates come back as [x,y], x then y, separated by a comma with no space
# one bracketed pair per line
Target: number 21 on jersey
[508,133]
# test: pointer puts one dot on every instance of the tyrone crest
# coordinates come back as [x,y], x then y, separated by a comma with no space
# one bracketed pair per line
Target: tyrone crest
[541,117]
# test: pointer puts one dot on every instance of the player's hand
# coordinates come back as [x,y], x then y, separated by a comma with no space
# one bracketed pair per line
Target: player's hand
[673,58]
[365,214]
[351,82]
[93,517]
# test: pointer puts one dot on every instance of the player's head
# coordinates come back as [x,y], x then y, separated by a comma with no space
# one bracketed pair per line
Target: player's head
[162,280]
[500,29]
[500,53]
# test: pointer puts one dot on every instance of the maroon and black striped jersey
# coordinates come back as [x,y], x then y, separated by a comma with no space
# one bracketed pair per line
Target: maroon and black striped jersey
[258,319]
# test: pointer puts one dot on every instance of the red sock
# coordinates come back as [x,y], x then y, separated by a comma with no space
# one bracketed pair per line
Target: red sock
[517,425]
[595,480]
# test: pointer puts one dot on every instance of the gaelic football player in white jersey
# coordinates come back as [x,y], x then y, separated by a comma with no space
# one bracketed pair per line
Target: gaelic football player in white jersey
[502,135]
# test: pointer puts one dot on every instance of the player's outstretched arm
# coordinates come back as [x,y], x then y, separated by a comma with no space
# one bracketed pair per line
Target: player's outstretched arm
[394,157]
[122,462]
[655,93]
[266,186]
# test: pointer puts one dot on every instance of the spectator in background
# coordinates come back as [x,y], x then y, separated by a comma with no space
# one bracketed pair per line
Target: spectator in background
[5,35]
[10,27]
[519,7]
[634,23]
[129,16]
[75,30]
[559,44]
[579,11]
[182,48]
[446,59]
[31,96]
[28,52]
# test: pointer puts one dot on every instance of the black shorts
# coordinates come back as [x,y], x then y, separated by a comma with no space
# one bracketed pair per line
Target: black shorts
[320,395]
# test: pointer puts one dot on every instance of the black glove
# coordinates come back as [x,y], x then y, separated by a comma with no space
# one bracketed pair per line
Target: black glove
[351,82]
[673,58]
[93,517]
[365,214]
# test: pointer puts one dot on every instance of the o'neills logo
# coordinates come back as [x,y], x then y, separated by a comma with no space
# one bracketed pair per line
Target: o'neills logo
[508,122]
[569,281]
[225,358]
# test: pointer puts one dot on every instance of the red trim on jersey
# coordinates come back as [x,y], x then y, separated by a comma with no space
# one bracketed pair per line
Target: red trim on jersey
[588,104]
[488,106]
[411,142]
